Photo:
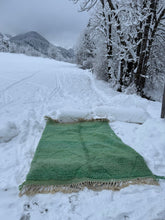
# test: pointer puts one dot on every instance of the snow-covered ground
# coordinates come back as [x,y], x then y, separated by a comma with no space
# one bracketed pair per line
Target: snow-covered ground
[31,88]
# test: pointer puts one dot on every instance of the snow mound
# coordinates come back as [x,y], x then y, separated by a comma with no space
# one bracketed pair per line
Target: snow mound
[153,143]
[131,114]
[70,115]
[8,132]
[123,114]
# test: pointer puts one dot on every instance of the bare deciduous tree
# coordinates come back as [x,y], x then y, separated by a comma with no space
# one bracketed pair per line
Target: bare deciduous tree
[130,28]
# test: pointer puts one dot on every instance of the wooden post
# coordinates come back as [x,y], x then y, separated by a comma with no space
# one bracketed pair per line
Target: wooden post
[163,104]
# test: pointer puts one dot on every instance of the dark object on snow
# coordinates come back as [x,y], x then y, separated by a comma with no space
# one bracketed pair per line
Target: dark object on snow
[163,104]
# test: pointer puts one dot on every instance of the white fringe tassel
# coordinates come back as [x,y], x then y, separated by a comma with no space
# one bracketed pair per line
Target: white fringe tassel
[76,187]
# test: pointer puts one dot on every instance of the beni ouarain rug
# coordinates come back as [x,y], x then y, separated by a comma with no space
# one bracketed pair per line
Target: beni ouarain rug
[71,156]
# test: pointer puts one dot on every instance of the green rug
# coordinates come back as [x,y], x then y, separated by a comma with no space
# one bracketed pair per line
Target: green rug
[71,156]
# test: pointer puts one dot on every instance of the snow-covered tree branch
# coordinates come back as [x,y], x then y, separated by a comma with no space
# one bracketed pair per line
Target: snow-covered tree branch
[128,31]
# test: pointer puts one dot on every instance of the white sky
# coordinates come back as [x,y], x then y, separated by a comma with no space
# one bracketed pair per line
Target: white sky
[57,20]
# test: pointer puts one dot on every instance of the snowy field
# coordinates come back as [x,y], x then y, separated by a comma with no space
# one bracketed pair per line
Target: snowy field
[31,88]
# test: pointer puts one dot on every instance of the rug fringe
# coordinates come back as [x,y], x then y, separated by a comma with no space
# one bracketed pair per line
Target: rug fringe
[49,119]
[76,187]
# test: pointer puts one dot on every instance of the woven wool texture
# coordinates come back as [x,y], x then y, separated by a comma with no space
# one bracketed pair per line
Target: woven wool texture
[83,152]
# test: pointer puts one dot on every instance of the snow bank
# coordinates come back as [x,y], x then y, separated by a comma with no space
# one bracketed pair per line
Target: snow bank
[131,114]
[150,142]
[71,115]
[8,132]
[147,139]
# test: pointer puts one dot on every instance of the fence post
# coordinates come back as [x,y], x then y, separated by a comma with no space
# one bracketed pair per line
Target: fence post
[163,104]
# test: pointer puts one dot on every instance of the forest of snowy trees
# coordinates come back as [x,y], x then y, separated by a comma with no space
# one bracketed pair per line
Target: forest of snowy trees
[124,43]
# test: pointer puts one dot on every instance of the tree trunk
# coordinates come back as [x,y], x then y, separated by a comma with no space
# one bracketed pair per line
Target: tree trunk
[108,33]
[144,48]
[109,48]
[141,68]
[163,105]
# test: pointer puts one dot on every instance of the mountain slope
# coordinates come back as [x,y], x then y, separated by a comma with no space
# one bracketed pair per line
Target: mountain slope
[32,43]
[32,39]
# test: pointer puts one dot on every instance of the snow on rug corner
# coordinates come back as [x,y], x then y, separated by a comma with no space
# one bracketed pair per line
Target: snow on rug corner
[31,88]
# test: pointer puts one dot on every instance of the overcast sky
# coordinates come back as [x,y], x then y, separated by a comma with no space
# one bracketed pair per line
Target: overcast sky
[58,20]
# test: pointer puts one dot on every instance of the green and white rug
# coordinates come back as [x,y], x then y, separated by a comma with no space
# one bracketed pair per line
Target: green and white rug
[71,156]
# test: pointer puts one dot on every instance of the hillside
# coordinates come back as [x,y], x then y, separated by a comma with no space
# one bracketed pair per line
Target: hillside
[33,44]
[4,42]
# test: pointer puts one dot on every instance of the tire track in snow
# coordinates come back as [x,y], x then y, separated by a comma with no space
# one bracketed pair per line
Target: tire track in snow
[19,81]
[98,91]
[57,88]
